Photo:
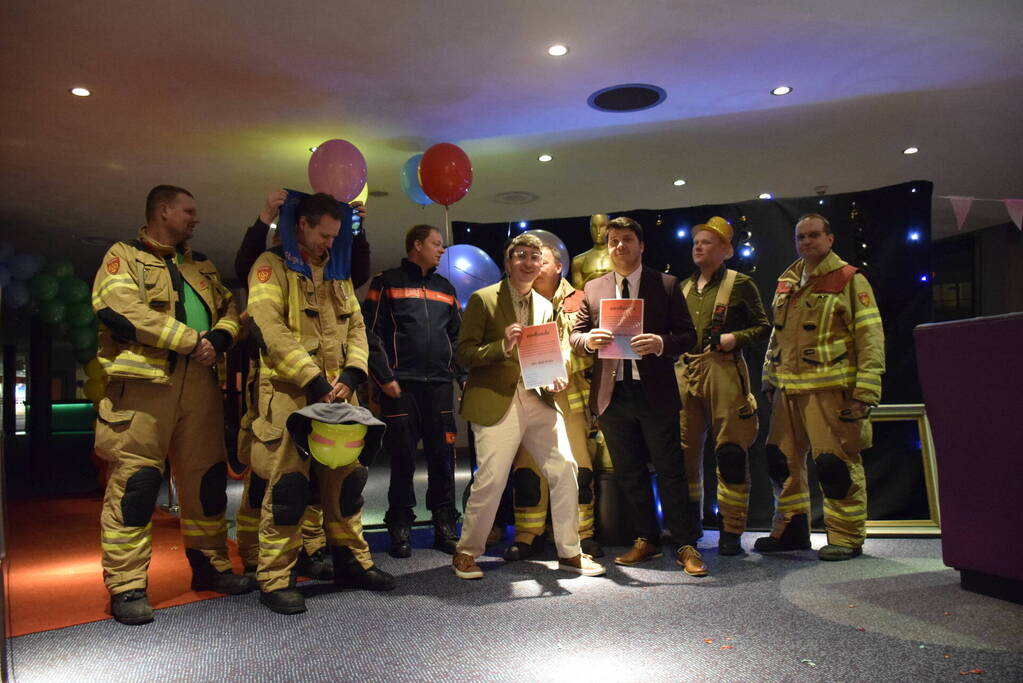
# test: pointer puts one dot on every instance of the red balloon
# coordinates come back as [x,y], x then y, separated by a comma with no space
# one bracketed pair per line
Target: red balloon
[338,168]
[445,173]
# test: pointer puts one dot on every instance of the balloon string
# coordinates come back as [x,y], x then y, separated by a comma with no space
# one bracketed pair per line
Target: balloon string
[447,223]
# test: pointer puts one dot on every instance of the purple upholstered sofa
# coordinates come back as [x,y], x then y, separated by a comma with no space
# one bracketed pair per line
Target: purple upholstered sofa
[971,373]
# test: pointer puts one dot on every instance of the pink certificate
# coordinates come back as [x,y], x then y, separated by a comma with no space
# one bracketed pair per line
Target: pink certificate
[540,355]
[624,319]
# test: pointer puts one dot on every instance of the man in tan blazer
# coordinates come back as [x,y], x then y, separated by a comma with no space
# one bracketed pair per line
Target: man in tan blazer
[504,414]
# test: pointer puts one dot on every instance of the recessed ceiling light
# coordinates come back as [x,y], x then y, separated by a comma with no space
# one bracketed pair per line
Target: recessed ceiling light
[544,158]
[781,90]
[557,50]
[910,150]
[679,182]
[80,92]
[765,195]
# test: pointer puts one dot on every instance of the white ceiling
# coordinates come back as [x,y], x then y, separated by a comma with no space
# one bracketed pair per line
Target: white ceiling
[225,97]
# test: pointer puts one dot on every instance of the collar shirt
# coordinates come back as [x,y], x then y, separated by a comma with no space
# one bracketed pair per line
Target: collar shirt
[521,303]
[633,279]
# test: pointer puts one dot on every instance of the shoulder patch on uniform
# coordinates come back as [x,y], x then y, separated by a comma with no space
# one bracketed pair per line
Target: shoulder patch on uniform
[572,302]
[784,287]
[864,298]
[263,273]
[114,265]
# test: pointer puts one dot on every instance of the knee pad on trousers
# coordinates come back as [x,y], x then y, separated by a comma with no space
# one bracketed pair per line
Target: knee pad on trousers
[585,486]
[290,495]
[833,474]
[732,463]
[139,497]
[213,490]
[351,491]
[257,489]
[527,487]
[777,465]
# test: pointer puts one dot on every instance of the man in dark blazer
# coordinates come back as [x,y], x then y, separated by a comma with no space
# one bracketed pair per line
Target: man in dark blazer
[637,401]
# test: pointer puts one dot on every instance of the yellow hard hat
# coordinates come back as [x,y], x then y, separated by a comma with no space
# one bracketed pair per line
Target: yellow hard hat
[719,226]
[336,445]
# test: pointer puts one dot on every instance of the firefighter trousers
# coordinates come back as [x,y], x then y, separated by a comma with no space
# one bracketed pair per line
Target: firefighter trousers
[812,419]
[140,423]
[287,473]
[715,391]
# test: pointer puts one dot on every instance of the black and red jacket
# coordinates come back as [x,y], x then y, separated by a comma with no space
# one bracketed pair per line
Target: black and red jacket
[412,325]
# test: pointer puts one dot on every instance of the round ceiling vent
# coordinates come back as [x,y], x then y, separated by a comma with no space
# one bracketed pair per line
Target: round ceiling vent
[516,197]
[379,193]
[627,97]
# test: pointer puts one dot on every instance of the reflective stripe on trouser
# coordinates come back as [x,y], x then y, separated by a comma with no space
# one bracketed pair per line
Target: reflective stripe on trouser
[531,423]
[247,527]
[140,424]
[273,456]
[531,520]
[812,419]
[715,393]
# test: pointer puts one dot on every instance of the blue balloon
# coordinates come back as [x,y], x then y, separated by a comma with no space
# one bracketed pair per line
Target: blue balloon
[16,294]
[468,268]
[410,181]
[5,276]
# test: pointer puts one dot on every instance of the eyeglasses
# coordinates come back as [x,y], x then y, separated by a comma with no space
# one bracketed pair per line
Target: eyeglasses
[523,255]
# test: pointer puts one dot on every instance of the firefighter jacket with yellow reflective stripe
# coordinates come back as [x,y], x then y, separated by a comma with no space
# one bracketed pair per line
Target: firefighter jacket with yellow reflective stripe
[311,329]
[827,334]
[138,296]
[566,302]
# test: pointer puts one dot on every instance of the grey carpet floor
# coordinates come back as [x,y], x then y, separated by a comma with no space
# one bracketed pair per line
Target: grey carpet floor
[896,614]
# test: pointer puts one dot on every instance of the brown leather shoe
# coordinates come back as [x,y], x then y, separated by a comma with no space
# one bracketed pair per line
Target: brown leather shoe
[642,550]
[464,566]
[581,564]
[691,561]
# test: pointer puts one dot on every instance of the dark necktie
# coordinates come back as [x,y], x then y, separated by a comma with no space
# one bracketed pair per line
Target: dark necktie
[627,364]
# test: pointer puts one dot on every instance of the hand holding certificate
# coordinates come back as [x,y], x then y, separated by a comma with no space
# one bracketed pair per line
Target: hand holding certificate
[540,357]
[623,318]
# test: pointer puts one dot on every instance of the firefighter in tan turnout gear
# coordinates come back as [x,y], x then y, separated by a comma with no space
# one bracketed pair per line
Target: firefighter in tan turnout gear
[164,318]
[822,373]
[713,378]
[313,350]
[531,493]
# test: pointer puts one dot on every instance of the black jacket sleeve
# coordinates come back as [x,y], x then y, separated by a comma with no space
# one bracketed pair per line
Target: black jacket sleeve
[253,244]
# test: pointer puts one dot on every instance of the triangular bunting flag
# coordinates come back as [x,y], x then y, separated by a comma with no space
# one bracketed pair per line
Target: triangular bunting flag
[961,207]
[1015,207]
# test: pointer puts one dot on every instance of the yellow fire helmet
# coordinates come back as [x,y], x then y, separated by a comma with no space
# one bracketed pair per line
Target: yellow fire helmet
[336,434]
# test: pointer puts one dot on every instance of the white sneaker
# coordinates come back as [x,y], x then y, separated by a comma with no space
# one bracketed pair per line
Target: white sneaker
[581,564]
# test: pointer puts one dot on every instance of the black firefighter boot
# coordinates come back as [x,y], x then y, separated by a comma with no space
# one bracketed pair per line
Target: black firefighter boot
[795,537]
[348,573]
[318,566]
[131,607]
[399,529]
[205,576]
[284,600]
[696,514]
[444,537]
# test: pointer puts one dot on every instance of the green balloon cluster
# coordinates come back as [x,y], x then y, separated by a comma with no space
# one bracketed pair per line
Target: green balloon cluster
[63,301]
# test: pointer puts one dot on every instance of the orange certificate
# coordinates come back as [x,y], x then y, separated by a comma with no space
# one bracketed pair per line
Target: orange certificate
[540,356]
[624,319]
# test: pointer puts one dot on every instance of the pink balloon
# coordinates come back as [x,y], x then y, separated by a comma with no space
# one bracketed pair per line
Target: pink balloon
[338,168]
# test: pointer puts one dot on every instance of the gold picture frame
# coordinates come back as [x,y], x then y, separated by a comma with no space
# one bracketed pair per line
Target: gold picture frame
[911,527]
